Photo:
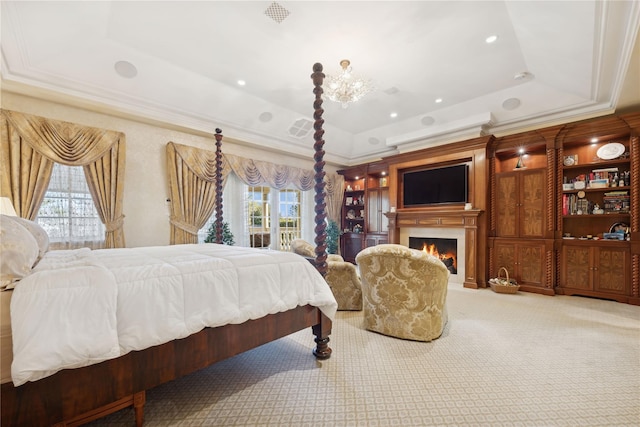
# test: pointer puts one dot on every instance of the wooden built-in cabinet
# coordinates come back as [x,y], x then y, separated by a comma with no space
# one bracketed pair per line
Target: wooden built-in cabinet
[366,200]
[353,216]
[595,270]
[598,186]
[522,235]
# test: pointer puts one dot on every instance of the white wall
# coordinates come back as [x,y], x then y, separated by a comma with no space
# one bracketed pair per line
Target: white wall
[146,186]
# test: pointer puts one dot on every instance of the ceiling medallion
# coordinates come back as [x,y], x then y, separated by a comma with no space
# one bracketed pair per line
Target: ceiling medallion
[345,87]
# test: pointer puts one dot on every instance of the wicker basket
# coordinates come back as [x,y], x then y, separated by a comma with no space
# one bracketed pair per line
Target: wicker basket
[504,285]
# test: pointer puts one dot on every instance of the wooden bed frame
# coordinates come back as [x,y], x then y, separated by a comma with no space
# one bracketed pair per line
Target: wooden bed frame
[73,397]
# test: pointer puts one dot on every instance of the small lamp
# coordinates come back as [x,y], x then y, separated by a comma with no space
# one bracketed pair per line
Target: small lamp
[520,164]
[6,207]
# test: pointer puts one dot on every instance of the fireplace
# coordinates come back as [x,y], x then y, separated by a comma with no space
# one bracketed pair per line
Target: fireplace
[442,248]
[461,225]
[453,238]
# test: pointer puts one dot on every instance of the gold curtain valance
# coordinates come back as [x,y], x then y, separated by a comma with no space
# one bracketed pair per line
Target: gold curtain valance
[62,142]
[201,162]
[257,172]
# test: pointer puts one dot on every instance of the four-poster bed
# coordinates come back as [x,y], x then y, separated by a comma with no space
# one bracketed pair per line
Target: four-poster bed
[76,396]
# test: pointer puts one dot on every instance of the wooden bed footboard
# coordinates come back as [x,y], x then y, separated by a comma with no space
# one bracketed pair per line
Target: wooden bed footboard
[76,396]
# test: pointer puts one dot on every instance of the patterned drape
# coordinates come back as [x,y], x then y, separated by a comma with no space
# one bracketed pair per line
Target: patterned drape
[30,145]
[192,176]
[335,192]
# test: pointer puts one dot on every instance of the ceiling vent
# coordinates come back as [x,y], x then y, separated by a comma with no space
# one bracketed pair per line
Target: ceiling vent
[301,128]
[276,12]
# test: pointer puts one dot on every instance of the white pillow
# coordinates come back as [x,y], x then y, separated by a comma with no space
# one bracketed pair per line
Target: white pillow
[19,250]
[38,233]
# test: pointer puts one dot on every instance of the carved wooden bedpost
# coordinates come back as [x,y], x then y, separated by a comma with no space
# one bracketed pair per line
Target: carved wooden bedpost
[323,328]
[218,136]
[320,209]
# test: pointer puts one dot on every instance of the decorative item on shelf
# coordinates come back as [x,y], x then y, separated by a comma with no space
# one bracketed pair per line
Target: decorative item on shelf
[610,151]
[357,228]
[619,227]
[520,164]
[597,210]
[349,188]
[599,183]
[348,201]
[383,181]
[351,214]
[579,185]
[503,284]
[570,160]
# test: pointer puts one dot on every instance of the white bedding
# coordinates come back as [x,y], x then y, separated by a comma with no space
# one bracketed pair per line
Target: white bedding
[81,307]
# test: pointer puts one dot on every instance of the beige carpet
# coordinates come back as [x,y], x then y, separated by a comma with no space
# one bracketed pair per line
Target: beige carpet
[503,360]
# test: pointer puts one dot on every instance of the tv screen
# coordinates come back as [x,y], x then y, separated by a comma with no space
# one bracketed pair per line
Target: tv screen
[434,186]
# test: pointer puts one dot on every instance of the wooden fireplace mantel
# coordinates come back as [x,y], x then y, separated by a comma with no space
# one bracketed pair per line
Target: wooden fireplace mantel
[467,219]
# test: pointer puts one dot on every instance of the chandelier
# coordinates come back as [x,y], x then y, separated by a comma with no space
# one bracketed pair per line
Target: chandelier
[345,87]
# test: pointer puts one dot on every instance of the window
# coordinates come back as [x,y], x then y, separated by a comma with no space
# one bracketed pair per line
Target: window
[259,208]
[68,213]
[264,217]
[289,219]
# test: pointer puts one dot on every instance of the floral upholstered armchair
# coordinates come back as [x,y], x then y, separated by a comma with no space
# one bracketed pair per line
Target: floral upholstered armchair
[404,292]
[341,276]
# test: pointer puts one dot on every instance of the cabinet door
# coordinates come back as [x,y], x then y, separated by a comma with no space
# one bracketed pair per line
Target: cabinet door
[505,256]
[576,267]
[384,207]
[506,205]
[520,204]
[610,270]
[373,201]
[352,243]
[523,261]
[377,205]
[532,203]
[530,263]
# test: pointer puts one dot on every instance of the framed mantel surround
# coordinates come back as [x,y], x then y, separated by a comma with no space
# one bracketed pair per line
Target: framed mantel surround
[466,219]
[471,152]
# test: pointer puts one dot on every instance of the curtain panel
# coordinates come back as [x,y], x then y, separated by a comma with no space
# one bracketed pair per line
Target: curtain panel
[192,186]
[30,145]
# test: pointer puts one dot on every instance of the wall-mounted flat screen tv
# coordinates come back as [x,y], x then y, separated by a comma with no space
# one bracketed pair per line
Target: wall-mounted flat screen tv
[447,184]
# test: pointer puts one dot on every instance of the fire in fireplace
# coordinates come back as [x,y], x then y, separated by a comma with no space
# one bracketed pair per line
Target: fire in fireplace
[445,249]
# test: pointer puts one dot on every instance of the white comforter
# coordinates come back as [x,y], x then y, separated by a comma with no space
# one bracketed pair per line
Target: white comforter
[82,307]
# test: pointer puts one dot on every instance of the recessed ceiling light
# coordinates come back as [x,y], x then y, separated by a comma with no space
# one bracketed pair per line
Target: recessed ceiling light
[393,115]
[594,140]
[126,69]
[438,100]
[241,83]
[491,39]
